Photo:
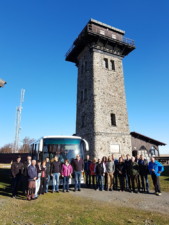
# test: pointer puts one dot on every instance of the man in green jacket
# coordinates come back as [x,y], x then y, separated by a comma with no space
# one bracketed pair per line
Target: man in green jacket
[134,173]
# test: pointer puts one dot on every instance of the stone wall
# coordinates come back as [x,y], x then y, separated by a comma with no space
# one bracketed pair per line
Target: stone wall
[104,95]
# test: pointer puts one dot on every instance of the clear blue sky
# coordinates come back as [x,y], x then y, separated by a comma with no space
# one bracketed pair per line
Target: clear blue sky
[36,34]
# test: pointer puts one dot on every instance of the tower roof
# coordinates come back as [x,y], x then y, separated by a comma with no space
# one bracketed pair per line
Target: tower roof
[145,138]
[106,26]
[101,36]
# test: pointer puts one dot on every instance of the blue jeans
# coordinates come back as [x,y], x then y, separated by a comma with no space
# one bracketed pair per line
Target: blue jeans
[78,179]
[47,182]
[66,183]
[56,181]
[100,185]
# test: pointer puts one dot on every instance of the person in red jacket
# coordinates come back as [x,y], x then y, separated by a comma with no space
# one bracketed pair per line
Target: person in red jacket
[93,172]
[66,173]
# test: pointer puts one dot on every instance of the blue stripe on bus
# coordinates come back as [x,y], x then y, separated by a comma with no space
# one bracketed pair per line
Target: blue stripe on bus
[61,141]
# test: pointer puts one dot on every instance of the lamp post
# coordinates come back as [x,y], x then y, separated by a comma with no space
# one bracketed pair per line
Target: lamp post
[2,83]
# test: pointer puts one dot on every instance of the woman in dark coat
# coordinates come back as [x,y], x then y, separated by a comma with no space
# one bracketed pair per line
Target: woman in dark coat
[43,178]
[120,167]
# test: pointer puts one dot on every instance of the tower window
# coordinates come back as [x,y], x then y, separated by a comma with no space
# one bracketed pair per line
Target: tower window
[105,61]
[113,119]
[113,36]
[112,64]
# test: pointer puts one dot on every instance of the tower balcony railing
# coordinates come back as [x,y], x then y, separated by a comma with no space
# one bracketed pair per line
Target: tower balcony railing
[110,34]
[104,33]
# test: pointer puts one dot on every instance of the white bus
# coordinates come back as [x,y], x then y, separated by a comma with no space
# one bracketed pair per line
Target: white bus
[65,147]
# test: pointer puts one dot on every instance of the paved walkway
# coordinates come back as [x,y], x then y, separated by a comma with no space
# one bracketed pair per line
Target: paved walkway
[149,202]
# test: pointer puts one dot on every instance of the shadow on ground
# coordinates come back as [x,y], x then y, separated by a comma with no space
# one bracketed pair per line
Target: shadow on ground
[5,184]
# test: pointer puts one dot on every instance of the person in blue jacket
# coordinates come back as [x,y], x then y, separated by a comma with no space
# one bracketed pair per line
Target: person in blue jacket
[155,169]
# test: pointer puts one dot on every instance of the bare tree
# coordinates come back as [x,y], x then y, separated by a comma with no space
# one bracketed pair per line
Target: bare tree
[26,143]
[6,148]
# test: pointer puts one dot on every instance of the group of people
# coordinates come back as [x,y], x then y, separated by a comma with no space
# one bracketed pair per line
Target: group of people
[126,174]
[33,176]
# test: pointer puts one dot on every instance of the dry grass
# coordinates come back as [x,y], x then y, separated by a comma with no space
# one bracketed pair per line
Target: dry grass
[65,208]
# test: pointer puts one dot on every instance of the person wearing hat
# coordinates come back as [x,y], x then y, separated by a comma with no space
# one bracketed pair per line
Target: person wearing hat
[16,171]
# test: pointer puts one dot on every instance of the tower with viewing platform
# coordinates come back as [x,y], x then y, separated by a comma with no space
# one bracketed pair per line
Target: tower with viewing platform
[101,117]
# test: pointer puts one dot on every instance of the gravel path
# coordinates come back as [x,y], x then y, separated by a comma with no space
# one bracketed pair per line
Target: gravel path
[149,202]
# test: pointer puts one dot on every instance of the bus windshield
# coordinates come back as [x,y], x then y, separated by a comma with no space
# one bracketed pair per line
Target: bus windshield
[64,148]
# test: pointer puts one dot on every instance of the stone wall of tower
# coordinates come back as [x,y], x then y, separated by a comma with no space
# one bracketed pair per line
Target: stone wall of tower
[109,94]
[109,98]
[85,107]
[104,94]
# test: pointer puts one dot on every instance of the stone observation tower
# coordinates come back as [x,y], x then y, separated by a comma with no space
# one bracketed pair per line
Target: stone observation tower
[102,117]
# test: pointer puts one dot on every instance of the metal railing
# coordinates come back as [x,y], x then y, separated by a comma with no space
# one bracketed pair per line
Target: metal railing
[103,32]
[110,34]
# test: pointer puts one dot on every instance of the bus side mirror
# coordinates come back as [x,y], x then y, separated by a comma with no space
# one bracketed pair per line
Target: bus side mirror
[86,145]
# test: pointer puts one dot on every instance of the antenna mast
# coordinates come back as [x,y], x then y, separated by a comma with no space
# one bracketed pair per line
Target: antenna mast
[18,121]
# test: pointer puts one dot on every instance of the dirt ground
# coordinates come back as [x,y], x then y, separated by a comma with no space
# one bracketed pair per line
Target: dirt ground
[149,202]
